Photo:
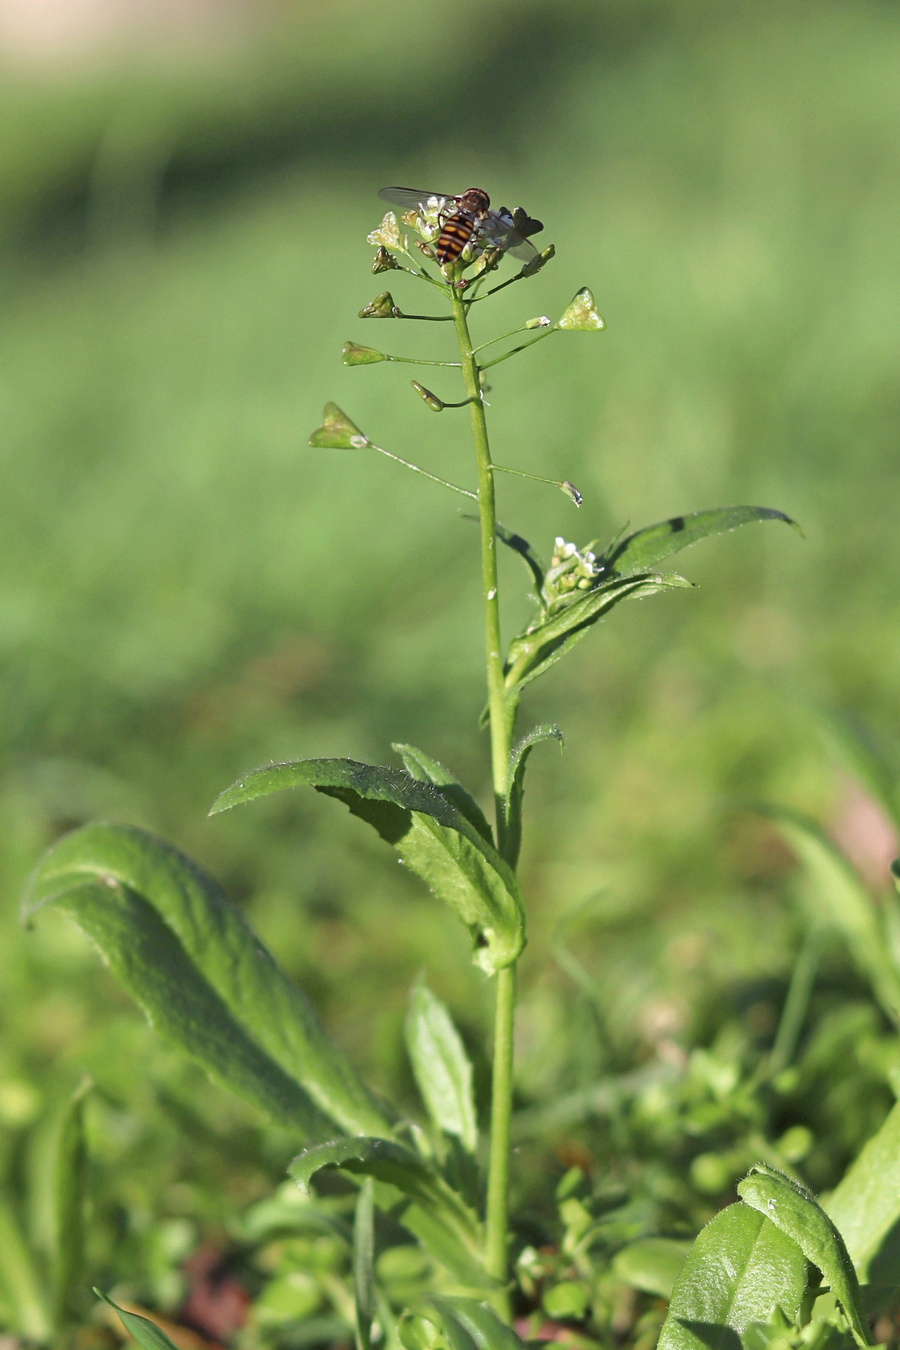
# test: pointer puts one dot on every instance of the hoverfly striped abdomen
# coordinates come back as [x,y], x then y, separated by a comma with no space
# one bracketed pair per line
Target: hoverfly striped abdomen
[457,229]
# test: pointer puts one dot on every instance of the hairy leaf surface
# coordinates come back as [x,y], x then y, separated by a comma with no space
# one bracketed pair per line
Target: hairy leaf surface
[431,834]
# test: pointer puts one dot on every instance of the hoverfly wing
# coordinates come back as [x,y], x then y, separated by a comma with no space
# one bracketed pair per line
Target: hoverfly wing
[411,199]
[509,238]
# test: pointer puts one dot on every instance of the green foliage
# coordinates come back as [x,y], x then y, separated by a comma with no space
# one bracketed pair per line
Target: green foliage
[741,1268]
[201,976]
[432,835]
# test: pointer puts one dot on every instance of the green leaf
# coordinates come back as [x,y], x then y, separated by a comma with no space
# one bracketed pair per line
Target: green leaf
[865,1205]
[413,1191]
[430,833]
[441,1066]
[147,1334]
[544,642]
[512,806]
[647,547]
[201,975]
[69,1194]
[651,1264]
[428,770]
[473,1322]
[337,432]
[364,1265]
[739,1269]
[835,896]
[797,1213]
[20,1279]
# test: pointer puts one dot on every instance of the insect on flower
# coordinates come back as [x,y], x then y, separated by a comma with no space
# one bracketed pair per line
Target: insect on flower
[462,219]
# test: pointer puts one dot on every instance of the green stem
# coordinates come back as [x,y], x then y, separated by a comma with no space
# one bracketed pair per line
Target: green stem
[495,1246]
[501,723]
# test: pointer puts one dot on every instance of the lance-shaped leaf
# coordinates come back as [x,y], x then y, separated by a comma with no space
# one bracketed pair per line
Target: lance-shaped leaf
[836,897]
[413,1192]
[428,770]
[430,833]
[865,1205]
[740,1268]
[648,547]
[542,645]
[442,1069]
[512,806]
[20,1280]
[797,1213]
[147,1334]
[337,432]
[203,978]
[69,1194]
[468,1322]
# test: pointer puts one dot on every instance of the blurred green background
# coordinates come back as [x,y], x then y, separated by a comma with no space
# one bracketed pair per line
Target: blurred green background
[187,590]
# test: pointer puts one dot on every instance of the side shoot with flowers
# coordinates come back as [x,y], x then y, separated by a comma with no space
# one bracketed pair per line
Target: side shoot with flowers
[205,981]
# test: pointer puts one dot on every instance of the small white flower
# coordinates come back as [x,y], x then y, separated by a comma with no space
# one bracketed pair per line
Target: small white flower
[388,233]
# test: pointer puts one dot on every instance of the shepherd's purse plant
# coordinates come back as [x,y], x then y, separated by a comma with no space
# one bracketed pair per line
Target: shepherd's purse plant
[188,958]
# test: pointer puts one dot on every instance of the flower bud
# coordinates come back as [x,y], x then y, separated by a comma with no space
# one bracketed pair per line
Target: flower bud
[428,398]
[571,492]
[382,307]
[540,322]
[355,355]
[581,315]
[337,432]
[384,261]
[540,261]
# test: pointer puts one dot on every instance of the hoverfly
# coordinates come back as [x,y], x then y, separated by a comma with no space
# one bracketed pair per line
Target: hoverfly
[462,217]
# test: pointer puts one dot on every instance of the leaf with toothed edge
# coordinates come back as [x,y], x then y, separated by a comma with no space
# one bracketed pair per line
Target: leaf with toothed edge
[432,836]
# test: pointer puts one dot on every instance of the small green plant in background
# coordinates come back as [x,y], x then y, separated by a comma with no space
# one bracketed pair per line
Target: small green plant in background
[438,1268]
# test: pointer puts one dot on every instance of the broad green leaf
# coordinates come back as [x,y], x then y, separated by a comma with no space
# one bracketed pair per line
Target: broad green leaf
[431,835]
[797,1213]
[147,1334]
[428,770]
[441,1066]
[740,1268]
[479,1324]
[200,974]
[364,1265]
[544,642]
[69,1194]
[651,1264]
[512,807]
[837,897]
[20,1280]
[413,1191]
[865,1205]
[647,547]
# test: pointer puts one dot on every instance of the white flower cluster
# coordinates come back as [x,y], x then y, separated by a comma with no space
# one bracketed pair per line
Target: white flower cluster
[571,568]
